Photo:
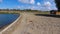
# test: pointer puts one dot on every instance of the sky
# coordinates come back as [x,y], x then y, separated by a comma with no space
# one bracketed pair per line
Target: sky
[44,5]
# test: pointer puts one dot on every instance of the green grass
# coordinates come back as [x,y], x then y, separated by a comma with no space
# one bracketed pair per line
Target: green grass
[45,12]
[7,13]
[17,12]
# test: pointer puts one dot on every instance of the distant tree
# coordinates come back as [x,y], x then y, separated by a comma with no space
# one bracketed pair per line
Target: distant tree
[57,4]
[0,9]
[53,11]
[7,9]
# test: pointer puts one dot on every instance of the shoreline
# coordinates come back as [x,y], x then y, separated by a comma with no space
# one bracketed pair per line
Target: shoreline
[5,28]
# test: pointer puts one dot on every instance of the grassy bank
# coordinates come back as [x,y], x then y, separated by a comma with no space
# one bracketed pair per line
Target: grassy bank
[7,12]
[17,12]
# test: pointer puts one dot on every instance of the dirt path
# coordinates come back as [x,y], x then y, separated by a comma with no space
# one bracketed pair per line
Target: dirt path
[31,24]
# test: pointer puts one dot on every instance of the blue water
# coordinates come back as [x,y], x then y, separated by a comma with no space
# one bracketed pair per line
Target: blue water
[6,19]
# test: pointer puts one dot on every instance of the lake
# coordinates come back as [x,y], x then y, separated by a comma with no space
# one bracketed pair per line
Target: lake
[6,19]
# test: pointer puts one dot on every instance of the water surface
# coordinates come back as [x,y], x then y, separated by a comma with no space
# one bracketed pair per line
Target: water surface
[6,19]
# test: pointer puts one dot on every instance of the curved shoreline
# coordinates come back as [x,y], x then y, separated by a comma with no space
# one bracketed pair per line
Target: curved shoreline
[11,26]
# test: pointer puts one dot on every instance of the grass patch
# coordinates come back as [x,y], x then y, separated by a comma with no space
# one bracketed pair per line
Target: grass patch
[17,12]
[9,13]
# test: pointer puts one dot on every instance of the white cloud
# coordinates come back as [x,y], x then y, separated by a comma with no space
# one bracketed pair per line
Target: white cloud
[46,8]
[32,7]
[27,1]
[47,4]
[1,1]
[32,1]
[35,7]
[49,8]
[24,1]
[38,4]
[18,7]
